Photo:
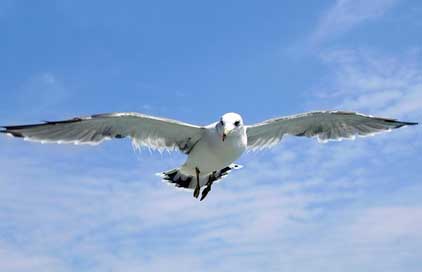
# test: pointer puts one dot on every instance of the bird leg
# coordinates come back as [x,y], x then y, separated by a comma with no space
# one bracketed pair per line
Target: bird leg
[197,187]
[208,188]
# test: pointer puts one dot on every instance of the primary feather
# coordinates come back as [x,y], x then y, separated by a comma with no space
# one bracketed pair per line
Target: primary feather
[149,131]
[325,125]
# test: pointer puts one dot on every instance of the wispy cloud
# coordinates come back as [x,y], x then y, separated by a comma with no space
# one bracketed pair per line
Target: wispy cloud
[374,83]
[347,14]
[14,260]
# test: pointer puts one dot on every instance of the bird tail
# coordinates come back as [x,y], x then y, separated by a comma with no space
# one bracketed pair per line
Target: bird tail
[177,178]
[181,180]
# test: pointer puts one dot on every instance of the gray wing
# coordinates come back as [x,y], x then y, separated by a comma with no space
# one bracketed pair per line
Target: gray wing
[145,131]
[325,125]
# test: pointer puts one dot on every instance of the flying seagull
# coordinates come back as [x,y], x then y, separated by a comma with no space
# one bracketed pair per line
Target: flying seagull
[212,149]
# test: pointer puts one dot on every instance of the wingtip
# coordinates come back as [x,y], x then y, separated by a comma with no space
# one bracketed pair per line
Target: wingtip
[9,132]
[401,123]
[408,124]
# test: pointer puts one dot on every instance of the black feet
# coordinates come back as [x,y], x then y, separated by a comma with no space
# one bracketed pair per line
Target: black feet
[211,179]
[196,192]
[205,192]
[197,187]
[207,189]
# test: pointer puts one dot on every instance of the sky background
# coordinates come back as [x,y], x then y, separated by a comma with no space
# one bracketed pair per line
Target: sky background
[302,206]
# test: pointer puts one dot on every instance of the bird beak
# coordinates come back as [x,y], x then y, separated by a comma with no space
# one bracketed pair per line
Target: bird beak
[225,133]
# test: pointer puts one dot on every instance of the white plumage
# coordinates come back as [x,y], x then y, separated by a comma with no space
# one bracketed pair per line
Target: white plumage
[211,149]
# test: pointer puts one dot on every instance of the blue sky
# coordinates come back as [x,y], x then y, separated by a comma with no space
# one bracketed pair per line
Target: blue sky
[341,206]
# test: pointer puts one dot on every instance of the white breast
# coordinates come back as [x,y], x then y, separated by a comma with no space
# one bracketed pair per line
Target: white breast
[212,154]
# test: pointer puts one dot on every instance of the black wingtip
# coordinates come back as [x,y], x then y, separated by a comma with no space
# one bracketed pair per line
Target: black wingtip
[408,124]
[5,130]
[399,124]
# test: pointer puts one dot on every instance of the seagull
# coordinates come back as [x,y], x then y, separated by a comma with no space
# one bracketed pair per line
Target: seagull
[212,149]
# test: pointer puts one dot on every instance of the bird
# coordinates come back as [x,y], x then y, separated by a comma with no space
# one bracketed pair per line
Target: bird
[212,149]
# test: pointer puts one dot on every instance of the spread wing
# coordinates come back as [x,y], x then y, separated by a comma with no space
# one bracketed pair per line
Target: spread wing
[145,131]
[325,125]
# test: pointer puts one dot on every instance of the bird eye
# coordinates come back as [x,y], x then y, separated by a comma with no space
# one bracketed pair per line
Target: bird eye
[237,123]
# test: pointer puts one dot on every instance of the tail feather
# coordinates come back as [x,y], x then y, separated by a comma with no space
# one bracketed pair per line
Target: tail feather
[178,179]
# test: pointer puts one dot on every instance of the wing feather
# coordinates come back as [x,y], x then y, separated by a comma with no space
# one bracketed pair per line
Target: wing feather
[145,131]
[325,125]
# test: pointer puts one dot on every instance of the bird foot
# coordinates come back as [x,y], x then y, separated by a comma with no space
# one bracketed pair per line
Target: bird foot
[197,187]
[196,192]
[205,192]
[208,188]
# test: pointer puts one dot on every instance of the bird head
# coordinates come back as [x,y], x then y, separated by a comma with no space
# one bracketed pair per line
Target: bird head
[230,123]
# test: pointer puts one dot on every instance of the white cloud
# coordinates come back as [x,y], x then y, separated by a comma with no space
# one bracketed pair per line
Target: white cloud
[407,223]
[347,14]
[14,260]
[374,83]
